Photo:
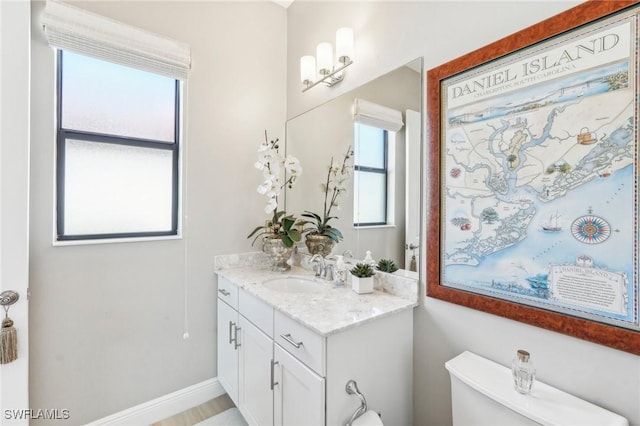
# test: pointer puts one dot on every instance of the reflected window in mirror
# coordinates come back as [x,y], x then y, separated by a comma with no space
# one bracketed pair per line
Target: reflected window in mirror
[374,176]
[327,131]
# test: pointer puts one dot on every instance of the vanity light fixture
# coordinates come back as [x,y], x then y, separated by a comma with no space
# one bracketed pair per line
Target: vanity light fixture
[321,68]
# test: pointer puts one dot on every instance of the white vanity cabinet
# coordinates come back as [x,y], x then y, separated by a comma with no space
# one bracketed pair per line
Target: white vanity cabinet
[287,374]
[245,352]
[227,338]
[255,354]
[299,392]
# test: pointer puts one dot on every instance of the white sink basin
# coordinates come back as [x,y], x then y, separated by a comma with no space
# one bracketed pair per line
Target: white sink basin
[294,285]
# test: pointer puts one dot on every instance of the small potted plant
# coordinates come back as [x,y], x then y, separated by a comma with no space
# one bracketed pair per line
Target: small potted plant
[386,265]
[362,278]
[321,237]
[279,234]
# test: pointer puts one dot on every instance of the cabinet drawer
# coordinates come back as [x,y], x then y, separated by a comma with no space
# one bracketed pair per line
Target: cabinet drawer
[299,341]
[228,292]
[256,311]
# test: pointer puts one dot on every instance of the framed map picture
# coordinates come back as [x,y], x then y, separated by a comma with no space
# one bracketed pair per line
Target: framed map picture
[533,159]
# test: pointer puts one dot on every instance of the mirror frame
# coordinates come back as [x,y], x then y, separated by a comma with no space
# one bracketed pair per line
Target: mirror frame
[616,337]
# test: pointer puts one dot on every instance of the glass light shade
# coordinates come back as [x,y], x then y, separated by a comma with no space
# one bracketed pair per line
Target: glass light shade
[344,44]
[324,56]
[307,69]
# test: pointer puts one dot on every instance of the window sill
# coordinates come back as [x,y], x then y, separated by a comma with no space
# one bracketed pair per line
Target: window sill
[360,228]
[115,240]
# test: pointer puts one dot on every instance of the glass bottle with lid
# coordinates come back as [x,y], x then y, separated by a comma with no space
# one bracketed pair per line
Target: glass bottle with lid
[341,271]
[523,371]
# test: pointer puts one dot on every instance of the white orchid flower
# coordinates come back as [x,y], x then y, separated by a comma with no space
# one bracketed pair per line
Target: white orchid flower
[266,186]
[272,204]
[264,146]
[272,193]
[277,171]
[264,158]
[269,174]
[292,165]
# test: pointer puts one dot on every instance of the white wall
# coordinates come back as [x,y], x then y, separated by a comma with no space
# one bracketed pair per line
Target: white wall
[107,320]
[389,34]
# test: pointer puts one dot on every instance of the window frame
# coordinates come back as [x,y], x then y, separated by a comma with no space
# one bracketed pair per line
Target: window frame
[63,135]
[383,171]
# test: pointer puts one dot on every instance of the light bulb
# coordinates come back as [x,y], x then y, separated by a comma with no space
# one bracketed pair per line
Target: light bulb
[307,69]
[344,45]
[324,57]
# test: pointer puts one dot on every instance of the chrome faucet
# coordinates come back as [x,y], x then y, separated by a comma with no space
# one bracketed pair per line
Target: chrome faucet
[321,268]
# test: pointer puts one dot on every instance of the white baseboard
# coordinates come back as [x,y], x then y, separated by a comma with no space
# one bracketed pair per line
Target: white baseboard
[165,406]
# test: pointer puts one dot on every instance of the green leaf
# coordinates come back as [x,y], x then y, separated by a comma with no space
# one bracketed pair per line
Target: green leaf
[254,231]
[312,215]
[387,265]
[328,219]
[258,236]
[288,242]
[334,234]
[287,223]
[295,235]
[363,270]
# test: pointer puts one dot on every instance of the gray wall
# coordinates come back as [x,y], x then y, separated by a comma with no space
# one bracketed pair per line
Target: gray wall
[107,320]
[388,34]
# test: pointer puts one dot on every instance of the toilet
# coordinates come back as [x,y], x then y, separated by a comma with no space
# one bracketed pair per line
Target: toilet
[482,393]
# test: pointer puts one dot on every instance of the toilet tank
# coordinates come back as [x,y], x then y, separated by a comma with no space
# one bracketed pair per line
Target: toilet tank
[482,393]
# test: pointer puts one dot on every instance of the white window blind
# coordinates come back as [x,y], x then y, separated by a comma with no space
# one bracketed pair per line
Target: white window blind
[372,114]
[70,28]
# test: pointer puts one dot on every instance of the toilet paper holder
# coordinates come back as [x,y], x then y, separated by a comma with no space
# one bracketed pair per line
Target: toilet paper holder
[352,389]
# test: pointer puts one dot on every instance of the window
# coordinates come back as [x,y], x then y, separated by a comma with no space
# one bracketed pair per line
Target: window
[117,151]
[371,160]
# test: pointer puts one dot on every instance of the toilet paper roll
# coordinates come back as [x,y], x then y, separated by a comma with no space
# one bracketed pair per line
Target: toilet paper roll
[369,418]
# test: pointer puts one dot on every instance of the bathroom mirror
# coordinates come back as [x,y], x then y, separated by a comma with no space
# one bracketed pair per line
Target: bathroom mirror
[327,131]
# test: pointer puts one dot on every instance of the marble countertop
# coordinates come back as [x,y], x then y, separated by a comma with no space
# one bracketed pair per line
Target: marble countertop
[327,311]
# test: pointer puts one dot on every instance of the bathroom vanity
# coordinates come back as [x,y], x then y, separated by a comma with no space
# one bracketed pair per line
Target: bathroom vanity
[289,343]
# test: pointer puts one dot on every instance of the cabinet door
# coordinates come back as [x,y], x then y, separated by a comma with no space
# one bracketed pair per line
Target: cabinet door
[227,351]
[256,395]
[299,397]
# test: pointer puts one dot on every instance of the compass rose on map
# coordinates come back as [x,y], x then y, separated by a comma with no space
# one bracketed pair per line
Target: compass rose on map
[590,229]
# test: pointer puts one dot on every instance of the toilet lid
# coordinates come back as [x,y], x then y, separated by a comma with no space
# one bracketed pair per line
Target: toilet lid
[545,404]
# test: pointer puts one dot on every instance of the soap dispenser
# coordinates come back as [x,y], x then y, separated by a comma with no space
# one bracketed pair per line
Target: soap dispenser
[369,260]
[523,371]
[341,271]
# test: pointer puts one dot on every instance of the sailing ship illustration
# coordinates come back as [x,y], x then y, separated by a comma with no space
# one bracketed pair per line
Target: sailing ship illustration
[553,223]
[540,281]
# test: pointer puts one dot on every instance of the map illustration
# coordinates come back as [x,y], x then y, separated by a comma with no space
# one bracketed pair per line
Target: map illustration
[538,166]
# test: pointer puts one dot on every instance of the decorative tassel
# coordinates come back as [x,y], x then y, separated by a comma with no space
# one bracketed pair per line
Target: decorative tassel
[412,265]
[8,341]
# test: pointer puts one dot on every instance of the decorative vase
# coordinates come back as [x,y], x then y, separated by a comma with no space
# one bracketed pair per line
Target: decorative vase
[361,285]
[279,254]
[319,244]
